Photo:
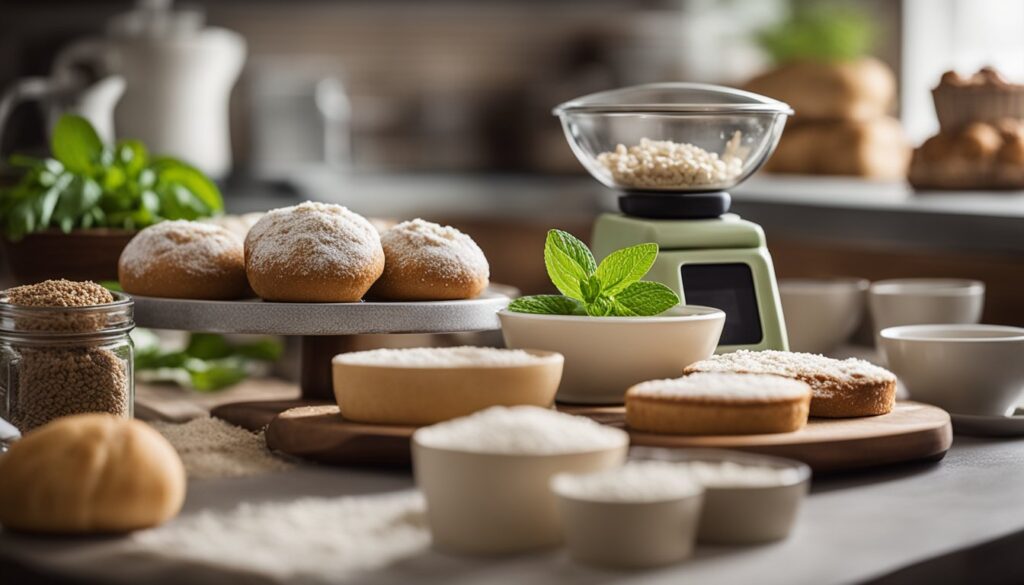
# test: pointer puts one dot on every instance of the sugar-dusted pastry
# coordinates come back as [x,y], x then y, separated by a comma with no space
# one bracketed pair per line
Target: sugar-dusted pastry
[719,404]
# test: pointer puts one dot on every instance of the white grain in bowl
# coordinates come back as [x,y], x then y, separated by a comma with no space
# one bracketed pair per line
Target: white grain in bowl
[486,476]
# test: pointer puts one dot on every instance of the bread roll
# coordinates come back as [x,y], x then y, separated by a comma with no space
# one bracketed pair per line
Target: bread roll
[425,261]
[862,89]
[90,473]
[875,149]
[313,252]
[184,260]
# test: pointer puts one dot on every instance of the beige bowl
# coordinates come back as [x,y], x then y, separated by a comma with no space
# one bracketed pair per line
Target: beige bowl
[822,313]
[483,503]
[604,356]
[422,395]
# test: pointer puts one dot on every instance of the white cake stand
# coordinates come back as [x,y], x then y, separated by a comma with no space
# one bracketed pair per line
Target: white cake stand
[325,328]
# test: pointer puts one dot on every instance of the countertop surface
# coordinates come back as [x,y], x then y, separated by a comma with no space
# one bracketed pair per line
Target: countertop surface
[932,522]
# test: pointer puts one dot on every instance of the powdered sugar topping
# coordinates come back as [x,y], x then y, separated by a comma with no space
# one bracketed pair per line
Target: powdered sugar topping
[816,370]
[521,430]
[725,386]
[442,357]
[443,250]
[636,481]
[199,248]
[313,238]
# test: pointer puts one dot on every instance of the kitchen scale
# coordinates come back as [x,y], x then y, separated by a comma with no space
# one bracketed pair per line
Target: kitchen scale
[707,255]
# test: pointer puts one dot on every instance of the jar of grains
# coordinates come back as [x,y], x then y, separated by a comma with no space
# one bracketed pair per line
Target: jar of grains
[64,349]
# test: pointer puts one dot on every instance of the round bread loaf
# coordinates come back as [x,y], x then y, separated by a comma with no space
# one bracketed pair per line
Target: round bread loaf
[719,404]
[90,473]
[184,260]
[313,253]
[839,388]
[430,262]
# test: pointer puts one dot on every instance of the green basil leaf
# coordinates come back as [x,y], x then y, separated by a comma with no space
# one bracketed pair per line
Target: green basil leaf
[132,156]
[547,305]
[75,144]
[21,221]
[624,267]
[113,179]
[208,346]
[216,377]
[174,172]
[151,202]
[645,299]
[267,350]
[26,162]
[569,263]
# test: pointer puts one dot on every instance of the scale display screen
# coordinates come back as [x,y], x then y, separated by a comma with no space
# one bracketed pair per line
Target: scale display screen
[729,287]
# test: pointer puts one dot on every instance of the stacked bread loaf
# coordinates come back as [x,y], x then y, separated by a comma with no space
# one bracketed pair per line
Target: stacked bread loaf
[842,124]
[980,143]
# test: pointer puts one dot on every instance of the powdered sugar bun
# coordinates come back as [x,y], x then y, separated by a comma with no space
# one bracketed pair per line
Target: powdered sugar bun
[313,252]
[184,260]
[426,262]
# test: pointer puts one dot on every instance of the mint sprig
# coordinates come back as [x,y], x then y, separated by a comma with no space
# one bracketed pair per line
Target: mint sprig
[610,289]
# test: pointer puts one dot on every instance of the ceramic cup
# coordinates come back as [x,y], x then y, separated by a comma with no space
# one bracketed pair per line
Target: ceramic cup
[922,301]
[604,356]
[822,313]
[965,369]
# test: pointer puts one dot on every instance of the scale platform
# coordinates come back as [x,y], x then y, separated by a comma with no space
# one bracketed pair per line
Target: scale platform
[325,328]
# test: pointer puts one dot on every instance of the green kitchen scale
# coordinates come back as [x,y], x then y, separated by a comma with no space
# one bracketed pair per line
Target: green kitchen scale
[707,255]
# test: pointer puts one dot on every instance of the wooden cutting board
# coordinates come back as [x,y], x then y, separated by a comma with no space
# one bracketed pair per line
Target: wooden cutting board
[912,432]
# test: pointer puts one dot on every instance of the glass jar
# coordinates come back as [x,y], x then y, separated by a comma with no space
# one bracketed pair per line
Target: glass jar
[59,361]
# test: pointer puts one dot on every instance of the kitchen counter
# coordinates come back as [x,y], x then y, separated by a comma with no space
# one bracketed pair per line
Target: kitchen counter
[959,520]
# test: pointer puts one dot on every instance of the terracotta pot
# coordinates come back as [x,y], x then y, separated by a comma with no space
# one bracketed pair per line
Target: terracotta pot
[79,255]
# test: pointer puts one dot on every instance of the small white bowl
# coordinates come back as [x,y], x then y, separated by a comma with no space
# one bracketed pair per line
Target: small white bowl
[965,369]
[743,514]
[629,532]
[921,301]
[496,503]
[604,356]
[821,314]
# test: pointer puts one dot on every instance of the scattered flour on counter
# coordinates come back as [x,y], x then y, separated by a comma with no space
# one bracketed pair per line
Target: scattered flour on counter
[636,481]
[319,538]
[521,430]
[210,447]
[443,357]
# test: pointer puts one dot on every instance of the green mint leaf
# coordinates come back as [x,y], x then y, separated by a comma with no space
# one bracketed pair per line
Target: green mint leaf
[645,299]
[624,267]
[569,263]
[547,305]
[267,350]
[132,156]
[76,144]
[601,307]
[215,377]
[208,346]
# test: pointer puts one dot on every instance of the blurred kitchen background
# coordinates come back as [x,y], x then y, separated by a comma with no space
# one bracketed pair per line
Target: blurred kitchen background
[442,109]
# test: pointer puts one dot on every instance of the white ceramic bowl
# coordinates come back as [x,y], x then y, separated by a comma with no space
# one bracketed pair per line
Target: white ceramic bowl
[629,534]
[604,356]
[426,394]
[821,314]
[922,301]
[485,503]
[965,369]
[743,514]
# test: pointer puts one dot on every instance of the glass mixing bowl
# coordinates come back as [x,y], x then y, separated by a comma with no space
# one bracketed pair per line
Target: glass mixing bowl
[673,137]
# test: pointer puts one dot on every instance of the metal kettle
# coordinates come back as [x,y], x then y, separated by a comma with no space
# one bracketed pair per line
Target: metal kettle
[178,77]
